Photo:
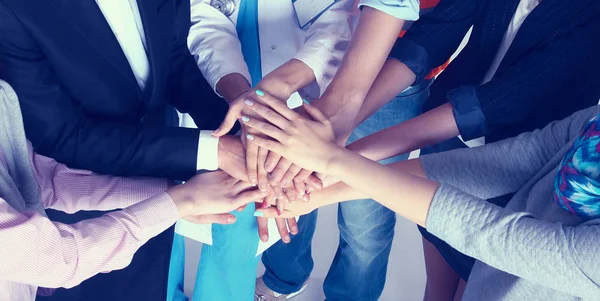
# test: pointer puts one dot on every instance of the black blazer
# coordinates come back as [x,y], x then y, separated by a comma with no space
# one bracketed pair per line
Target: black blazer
[81,103]
[549,71]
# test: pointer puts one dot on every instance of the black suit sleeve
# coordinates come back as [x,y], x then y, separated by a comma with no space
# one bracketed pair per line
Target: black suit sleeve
[59,128]
[432,40]
[187,89]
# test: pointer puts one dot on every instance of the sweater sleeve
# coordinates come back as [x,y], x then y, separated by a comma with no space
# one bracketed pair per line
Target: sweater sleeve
[503,167]
[565,258]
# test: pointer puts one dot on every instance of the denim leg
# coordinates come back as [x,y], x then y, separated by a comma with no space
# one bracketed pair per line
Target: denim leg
[288,266]
[286,274]
[359,268]
[227,269]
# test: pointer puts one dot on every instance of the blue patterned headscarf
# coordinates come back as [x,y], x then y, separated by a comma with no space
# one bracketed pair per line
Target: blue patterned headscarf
[577,184]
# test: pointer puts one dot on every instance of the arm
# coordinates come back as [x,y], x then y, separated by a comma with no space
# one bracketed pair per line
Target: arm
[371,42]
[214,43]
[71,190]
[52,254]
[59,128]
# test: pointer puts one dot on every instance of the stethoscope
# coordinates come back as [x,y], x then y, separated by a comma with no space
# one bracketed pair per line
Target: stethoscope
[226,7]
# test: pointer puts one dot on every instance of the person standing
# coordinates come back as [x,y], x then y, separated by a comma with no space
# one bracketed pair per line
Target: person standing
[98,82]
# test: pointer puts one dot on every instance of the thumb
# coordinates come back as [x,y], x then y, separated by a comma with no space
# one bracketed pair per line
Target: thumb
[271,212]
[232,115]
[224,219]
[314,113]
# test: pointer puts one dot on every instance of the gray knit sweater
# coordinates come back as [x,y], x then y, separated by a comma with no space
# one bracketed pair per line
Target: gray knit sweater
[532,249]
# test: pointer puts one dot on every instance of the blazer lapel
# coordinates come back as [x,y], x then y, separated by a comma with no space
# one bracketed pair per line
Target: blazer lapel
[158,27]
[493,22]
[543,20]
[90,22]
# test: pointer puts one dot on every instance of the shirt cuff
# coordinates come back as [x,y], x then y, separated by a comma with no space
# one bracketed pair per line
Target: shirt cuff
[467,112]
[153,215]
[407,10]
[208,151]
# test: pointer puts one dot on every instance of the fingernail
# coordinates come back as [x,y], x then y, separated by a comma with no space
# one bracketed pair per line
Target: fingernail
[278,211]
[230,219]
[264,204]
[249,102]
[294,230]
[306,198]
[258,214]
[286,238]
[262,188]
[305,101]
[260,93]
[245,119]
[264,238]
[320,185]
[249,137]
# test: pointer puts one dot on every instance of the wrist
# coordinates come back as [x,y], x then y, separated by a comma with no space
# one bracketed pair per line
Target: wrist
[335,163]
[182,199]
[232,85]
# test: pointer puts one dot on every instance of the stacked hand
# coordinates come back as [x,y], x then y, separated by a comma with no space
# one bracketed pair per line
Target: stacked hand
[284,182]
[207,198]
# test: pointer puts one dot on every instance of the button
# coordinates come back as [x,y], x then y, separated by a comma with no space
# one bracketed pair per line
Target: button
[273,48]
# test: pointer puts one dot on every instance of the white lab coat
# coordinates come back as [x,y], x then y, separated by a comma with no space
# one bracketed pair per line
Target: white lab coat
[215,45]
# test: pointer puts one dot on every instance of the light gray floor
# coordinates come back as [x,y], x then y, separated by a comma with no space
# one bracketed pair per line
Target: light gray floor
[406,270]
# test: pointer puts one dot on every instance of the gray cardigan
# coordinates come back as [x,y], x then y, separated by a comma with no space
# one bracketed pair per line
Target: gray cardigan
[532,249]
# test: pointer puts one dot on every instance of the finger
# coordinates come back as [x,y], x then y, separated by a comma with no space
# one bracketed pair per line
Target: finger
[289,175]
[225,219]
[279,172]
[272,161]
[292,225]
[263,228]
[271,145]
[240,186]
[271,212]
[291,194]
[267,113]
[251,162]
[244,198]
[314,113]
[263,179]
[232,115]
[265,128]
[301,190]
[241,208]
[277,105]
[314,182]
[283,230]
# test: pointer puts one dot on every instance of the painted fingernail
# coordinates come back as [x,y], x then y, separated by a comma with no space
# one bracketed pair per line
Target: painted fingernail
[245,119]
[305,101]
[249,137]
[249,102]
[264,204]
[260,93]
[259,213]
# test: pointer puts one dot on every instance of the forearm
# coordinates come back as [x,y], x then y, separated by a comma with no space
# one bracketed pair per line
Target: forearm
[393,78]
[287,79]
[427,129]
[232,85]
[405,193]
[55,255]
[370,45]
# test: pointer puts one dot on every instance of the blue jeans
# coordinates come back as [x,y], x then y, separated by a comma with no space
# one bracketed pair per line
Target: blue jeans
[366,228]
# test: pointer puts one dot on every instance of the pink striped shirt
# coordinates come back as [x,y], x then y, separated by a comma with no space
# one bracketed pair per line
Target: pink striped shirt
[35,251]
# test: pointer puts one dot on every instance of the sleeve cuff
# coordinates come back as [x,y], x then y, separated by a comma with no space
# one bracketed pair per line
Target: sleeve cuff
[413,56]
[405,10]
[154,215]
[469,117]
[208,151]
[316,58]
[244,73]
